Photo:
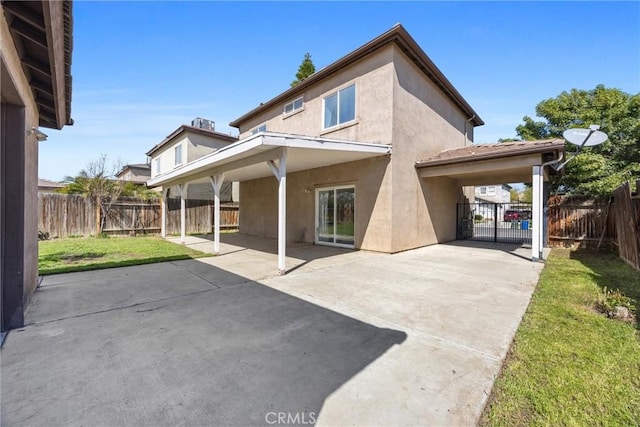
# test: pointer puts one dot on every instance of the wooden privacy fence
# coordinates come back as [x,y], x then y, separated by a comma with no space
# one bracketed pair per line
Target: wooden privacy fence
[627,219]
[199,216]
[64,215]
[581,220]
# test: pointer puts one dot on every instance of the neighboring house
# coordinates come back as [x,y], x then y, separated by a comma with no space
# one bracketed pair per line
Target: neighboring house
[347,147]
[189,143]
[46,186]
[35,54]
[491,199]
[138,173]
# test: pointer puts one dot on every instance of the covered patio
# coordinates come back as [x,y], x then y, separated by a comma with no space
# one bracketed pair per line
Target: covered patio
[262,155]
[486,164]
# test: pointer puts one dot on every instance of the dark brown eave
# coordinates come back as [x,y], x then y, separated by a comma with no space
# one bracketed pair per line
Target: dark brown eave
[405,42]
[42,32]
[186,128]
[479,152]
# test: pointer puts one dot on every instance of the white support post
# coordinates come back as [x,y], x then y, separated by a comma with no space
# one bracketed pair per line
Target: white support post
[536,232]
[183,212]
[163,213]
[216,183]
[280,172]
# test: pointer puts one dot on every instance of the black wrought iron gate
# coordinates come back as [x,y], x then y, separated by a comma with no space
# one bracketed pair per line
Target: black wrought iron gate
[494,222]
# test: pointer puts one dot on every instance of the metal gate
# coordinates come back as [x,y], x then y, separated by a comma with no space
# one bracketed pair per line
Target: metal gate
[494,222]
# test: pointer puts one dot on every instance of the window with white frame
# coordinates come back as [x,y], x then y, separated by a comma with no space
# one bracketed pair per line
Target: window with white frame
[340,107]
[178,154]
[491,191]
[261,128]
[157,161]
[483,190]
[293,106]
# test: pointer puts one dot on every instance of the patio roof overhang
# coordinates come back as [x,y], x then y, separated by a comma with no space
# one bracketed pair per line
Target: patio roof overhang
[491,163]
[248,159]
[262,155]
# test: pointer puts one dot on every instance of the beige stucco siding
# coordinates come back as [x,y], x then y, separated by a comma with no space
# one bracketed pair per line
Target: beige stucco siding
[373,77]
[371,178]
[19,88]
[193,145]
[425,123]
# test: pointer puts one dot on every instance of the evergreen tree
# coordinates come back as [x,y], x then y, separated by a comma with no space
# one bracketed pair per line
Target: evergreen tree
[305,69]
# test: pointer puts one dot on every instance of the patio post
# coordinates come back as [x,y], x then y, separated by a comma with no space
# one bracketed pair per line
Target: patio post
[183,211]
[163,212]
[280,172]
[216,183]
[536,232]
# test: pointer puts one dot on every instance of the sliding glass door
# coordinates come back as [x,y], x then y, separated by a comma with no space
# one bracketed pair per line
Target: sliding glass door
[335,216]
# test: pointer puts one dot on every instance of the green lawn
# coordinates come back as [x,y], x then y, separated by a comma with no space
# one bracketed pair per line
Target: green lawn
[92,253]
[570,365]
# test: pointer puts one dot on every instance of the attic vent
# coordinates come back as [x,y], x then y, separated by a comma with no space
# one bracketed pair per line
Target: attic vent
[201,123]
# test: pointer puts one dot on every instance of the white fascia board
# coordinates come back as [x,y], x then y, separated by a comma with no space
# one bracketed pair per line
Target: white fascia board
[268,139]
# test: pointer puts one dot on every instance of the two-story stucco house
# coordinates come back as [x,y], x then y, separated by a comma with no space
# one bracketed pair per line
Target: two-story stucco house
[343,146]
[137,173]
[186,144]
[488,196]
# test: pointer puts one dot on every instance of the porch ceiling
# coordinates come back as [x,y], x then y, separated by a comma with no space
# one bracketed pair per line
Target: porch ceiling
[491,163]
[247,159]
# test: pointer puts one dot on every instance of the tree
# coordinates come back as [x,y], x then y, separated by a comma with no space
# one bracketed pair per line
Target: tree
[305,69]
[597,170]
[98,182]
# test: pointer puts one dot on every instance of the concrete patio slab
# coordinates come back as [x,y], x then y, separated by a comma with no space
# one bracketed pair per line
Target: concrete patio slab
[346,338]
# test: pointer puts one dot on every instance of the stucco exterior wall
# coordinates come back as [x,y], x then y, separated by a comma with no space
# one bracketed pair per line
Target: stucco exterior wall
[425,122]
[374,96]
[193,145]
[371,178]
[16,90]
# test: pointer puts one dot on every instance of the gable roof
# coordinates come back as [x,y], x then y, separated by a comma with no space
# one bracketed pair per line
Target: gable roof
[186,128]
[492,151]
[405,42]
[45,183]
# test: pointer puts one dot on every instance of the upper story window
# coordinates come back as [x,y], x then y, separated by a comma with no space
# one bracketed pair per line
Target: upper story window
[340,107]
[178,154]
[292,106]
[157,162]
[491,191]
[483,190]
[261,128]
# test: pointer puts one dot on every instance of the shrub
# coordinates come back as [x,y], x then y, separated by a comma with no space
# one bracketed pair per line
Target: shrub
[478,217]
[608,300]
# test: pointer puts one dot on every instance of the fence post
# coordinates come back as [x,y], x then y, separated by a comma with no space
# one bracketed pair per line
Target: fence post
[98,218]
[495,222]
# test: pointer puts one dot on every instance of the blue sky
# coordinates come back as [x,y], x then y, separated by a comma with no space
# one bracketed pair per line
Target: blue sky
[141,69]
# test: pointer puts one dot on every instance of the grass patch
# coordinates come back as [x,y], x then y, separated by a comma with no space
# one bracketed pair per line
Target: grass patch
[91,253]
[569,364]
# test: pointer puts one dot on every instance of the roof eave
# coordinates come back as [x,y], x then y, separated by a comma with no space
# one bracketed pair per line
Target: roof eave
[397,34]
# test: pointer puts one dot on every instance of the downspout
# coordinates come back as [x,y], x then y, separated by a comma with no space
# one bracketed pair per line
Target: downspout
[465,129]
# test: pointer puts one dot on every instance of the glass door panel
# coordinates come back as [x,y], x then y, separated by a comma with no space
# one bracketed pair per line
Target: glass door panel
[326,212]
[345,207]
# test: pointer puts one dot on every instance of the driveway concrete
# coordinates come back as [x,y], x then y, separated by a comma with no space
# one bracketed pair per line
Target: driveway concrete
[346,338]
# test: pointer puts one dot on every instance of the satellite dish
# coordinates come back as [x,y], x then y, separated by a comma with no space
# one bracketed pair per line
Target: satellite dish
[584,137]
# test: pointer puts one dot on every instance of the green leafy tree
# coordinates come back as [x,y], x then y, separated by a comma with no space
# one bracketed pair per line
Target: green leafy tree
[305,69]
[597,170]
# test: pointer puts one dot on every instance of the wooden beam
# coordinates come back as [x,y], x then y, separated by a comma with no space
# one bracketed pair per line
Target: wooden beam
[36,65]
[29,32]
[41,87]
[27,15]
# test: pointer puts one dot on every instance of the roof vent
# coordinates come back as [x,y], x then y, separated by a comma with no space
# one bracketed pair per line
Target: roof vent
[201,123]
